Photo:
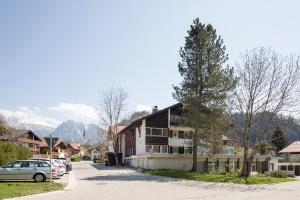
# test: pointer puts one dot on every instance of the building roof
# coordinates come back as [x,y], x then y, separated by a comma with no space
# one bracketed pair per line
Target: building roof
[59,141]
[148,116]
[75,146]
[292,148]
[15,133]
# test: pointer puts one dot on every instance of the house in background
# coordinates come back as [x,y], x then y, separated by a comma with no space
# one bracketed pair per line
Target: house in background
[26,138]
[60,149]
[160,140]
[291,159]
[74,148]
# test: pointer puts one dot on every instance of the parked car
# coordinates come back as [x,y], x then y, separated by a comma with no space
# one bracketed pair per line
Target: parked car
[87,157]
[67,162]
[60,169]
[27,170]
[61,165]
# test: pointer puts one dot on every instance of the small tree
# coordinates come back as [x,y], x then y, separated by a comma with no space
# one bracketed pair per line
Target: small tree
[279,139]
[111,105]
[206,83]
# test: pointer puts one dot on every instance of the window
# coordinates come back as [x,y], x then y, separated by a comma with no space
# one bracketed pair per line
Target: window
[148,131]
[164,149]
[171,134]
[156,132]
[17,164]
[156,149]
[181,150]
[188,150]
[290,168]
[165,132]
[148,147]
[175,150]
[181,134]
[41,164]
[188,135]
[283,168]
[175,134]
[161,149]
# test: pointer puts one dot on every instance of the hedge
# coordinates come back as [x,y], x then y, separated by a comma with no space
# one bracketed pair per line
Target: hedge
[10,152]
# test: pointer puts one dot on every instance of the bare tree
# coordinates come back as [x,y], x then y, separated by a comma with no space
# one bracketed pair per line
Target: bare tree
[268,85]
[111,105]
[101,136]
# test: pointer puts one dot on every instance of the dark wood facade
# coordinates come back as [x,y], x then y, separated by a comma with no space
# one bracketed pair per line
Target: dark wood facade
[130,147]
[152,140]
[158,120]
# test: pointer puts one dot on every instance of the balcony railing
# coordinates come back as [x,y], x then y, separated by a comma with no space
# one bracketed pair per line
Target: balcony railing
[176,120]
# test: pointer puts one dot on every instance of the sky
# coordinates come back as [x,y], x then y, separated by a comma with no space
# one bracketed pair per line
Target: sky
[56,57]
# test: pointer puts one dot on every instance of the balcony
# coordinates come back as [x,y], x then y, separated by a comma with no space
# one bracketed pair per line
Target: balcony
[176,120]
[293,158]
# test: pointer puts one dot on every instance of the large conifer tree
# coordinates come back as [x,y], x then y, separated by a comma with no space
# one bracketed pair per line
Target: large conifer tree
[279,139]
[206,83]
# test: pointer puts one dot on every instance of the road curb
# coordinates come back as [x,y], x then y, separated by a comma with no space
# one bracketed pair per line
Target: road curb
[72,183]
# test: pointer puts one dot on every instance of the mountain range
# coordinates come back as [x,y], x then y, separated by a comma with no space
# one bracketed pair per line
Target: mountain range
[70,131]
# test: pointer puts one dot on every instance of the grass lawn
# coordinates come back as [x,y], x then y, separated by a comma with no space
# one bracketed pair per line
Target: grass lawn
[217,177]
[17,189]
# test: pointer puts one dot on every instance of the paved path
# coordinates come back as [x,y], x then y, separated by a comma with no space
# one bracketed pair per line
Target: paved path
[98,182]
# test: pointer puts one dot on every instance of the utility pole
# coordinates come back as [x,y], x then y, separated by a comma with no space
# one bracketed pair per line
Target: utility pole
[51,159]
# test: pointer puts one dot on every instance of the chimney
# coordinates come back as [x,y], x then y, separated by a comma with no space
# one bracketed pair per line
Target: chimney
[154,109]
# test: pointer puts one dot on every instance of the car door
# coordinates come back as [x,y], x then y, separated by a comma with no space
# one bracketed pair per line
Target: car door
[43,167]
[28,170]
[14,171]
[5,171]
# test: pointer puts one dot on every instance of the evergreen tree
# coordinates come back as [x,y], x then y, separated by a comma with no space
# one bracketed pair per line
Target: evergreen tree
[206,83]
[279,139]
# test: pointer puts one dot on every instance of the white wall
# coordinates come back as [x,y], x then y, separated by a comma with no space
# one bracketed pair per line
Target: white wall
[141,141]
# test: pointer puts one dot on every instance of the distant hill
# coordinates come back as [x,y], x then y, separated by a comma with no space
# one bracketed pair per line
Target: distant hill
[290,126]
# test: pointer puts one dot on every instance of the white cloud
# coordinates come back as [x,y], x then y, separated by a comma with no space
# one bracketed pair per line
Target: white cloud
[27,115]
[77,112]
[143,108]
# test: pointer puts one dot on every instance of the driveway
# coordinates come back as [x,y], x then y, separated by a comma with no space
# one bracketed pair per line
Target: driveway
[98,182]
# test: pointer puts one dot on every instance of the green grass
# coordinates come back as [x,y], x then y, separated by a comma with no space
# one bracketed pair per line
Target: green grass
[196,176]
[17,189]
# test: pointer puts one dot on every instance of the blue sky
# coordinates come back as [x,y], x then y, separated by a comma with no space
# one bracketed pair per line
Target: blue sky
[57,56]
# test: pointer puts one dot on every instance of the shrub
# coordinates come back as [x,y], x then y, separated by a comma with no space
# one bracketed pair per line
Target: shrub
[10,152]
[75,159]
[278,174]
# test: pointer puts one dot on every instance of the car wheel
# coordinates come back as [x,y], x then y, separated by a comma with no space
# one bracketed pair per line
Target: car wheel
[39,177]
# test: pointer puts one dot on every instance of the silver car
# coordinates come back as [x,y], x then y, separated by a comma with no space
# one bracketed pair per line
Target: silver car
[27,170]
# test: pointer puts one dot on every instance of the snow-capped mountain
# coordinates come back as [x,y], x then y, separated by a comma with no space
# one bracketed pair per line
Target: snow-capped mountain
[70,131]
[78,132]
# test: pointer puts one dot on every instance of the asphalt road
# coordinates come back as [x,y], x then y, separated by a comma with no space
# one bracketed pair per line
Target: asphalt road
[90,182]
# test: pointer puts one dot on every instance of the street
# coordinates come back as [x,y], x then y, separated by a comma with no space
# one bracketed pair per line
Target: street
[99,182]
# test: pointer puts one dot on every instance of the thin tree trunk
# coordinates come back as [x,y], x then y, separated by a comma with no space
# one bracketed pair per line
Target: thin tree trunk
[195,153]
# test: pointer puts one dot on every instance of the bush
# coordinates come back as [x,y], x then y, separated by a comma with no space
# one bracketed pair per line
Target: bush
[278,174]
[111,158]
[10,152]
[75,159]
